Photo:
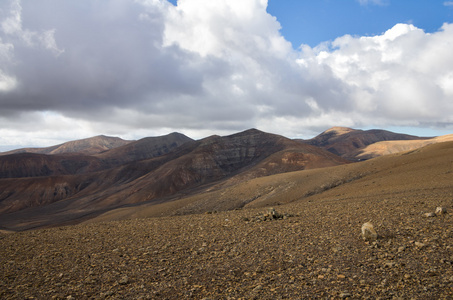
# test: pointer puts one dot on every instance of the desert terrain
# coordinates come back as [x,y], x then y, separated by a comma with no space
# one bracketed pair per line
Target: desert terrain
[218,240]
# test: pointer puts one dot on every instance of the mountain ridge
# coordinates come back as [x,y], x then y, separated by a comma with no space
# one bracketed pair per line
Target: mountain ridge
[347,142]
[87,146]
[39,190]
[405,174]
[186,167]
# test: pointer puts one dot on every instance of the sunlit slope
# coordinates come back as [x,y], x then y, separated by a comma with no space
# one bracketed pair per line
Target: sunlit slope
[391,147]
[418,174]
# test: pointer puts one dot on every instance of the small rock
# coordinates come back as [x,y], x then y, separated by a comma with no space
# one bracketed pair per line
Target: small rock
[345,295]
[368,232]
[124,280]
[272,214]
[258,288]
[429,215]
[401,249]
[336,249]
[419,245]
[440,210]
[389,264]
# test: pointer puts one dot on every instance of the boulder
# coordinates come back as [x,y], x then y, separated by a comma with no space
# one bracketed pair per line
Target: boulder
[368,232]
[440,210]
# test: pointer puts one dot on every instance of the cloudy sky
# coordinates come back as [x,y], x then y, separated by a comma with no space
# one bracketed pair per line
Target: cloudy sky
[75,69]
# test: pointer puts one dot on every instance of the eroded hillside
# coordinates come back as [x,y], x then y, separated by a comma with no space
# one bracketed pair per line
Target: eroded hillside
[151,170]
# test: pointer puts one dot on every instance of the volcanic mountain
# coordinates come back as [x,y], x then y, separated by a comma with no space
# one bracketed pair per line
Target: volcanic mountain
[70,159]
[153,170]
[348,143]
[425,173]
[87,146]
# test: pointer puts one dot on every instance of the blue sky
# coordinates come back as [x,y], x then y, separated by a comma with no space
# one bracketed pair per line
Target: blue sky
[313,22]
[201,67]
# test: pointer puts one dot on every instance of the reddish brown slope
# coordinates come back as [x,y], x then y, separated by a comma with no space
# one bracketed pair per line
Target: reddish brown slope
[248,154]
[145,148]
[20,165]
[405,179]
[190,166]
[37,165]
[31,180]
[347,142]
[87,146]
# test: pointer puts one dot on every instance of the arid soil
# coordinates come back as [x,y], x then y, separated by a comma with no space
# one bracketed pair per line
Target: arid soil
[314,251]
[390,147]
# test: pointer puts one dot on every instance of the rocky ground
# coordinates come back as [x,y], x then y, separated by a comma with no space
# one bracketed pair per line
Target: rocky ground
[314,251]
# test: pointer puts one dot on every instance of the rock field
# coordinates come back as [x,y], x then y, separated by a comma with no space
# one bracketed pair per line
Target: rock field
[313,250]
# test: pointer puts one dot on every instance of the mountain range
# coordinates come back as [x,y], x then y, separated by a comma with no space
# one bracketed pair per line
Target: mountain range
[103,178]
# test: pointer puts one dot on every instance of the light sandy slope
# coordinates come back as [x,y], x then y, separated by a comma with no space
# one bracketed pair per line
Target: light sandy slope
[391,147]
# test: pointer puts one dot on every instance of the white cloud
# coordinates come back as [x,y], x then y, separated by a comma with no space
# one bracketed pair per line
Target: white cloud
[12,24]
[7,83]
[208,67]
[402,74]
[12,27]
[448,3]
[223,27]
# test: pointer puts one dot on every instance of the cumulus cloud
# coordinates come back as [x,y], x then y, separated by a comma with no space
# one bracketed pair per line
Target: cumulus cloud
[400,75]
[202,67]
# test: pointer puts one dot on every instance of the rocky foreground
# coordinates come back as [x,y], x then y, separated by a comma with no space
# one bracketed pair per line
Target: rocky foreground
[312,250]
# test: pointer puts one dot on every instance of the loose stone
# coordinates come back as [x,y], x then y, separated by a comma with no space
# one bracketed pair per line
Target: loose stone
[368,232]
[440,210]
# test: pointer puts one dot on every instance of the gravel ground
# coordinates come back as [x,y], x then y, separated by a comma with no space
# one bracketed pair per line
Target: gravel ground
[315,251]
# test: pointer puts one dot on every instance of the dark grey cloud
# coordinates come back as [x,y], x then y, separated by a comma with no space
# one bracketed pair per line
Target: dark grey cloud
[110,55]
[147,66]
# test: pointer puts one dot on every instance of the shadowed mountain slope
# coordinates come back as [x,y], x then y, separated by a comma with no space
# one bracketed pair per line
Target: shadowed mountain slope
[87,146]
[37,165]
[72,162]
[185,169]
[145,148]
[422,173]
[348,143]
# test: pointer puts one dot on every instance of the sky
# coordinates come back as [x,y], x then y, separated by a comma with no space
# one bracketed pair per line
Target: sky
[76,69]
